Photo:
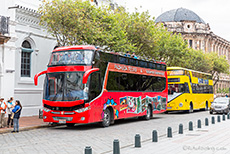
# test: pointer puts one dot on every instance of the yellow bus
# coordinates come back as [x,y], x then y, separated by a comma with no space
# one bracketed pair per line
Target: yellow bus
[189,90]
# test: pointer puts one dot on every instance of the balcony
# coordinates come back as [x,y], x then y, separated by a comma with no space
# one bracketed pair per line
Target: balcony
[4,29]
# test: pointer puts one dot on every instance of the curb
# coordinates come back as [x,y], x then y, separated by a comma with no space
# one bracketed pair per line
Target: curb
[8,130]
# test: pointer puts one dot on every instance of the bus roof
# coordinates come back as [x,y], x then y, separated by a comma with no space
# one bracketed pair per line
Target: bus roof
[181,68]
[77,47]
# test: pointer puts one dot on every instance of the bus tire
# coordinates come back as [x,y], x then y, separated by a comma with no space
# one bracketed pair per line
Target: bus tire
[148,113]
[206,106]
[106,118]
[190,108]
[70,125]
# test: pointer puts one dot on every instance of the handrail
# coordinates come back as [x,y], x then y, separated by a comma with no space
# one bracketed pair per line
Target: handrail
[37,75]
[87,73]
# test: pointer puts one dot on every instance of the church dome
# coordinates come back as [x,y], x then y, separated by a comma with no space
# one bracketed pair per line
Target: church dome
[179,15]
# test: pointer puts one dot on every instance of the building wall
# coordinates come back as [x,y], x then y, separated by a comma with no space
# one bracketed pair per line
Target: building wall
[200,37]
[24,25]
[42,43]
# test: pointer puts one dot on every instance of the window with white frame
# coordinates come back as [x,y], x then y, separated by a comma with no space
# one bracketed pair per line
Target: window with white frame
[26,59]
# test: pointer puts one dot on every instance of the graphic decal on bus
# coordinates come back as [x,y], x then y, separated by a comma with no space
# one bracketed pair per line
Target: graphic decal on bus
[138,105]
[111,102]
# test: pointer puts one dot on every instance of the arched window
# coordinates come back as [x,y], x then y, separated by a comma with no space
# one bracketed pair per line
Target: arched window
[26,59]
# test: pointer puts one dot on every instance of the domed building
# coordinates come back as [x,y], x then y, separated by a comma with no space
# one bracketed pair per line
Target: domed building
[198,35]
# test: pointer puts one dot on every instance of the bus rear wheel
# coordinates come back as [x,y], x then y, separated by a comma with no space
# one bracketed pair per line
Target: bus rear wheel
[148,113]
[106,118]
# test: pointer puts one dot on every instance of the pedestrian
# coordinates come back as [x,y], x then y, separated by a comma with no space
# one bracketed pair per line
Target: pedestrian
[3,112]
[10,106]
[16,111]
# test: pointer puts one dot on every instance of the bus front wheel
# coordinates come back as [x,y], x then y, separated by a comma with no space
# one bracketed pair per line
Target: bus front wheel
[106,118]
[70,125]
[190,108]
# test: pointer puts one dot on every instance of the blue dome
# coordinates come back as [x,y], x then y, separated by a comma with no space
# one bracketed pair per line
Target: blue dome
[178,15]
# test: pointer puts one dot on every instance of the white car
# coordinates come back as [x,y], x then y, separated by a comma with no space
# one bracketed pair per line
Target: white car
[220,105]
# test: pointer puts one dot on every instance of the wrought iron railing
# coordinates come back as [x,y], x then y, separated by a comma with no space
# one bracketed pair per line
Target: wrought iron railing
[4,25]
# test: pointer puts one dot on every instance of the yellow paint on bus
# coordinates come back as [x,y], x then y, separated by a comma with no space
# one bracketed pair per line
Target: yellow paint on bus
[188,89]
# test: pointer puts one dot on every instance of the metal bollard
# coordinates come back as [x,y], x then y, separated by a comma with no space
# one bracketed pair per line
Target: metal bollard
[116,147]
[88,150]
[137,141]
[206,121]
[218,118]
[190,126]
[223,117]
[169,132]
[213,120]
[180,129]
[228,116]
[154,136]
[199,123]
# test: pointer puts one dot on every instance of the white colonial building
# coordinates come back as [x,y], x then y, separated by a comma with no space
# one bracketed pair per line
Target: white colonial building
[25,48]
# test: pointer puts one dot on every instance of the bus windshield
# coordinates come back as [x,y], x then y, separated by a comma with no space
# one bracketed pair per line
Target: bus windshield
[175,90]
[71,57]
[65,87]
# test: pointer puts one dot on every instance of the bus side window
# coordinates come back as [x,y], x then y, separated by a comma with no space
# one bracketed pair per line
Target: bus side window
[95,85]
[186,87]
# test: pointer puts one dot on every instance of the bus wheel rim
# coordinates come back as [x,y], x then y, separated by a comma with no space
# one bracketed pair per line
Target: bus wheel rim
[106,117]
[148,112]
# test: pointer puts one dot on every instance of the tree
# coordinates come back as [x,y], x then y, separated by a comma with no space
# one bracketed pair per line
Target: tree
[196,60]
[78,22]
[219,64]
[75,22]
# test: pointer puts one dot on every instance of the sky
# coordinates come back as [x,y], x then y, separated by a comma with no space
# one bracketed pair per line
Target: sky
[214,12]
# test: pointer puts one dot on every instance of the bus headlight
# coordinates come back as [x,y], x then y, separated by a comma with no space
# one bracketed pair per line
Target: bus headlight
[46,110]
[180,104]
[82,110]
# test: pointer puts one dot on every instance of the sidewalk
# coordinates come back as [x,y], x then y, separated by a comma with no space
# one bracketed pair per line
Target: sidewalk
[214,138]
[26,123]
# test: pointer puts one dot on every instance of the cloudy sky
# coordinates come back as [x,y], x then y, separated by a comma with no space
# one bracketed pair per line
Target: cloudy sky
[214,12]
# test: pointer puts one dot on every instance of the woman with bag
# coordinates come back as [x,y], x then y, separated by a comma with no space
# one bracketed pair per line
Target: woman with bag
[16,111]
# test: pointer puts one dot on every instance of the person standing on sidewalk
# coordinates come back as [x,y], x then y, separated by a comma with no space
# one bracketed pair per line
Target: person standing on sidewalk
[10,106]
[2,111]
[17,112]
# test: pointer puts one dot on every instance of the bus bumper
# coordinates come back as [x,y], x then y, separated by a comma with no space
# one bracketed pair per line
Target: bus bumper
[63,117]
[177,107]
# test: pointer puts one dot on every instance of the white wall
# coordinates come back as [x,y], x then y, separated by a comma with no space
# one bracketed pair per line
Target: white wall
[27,28]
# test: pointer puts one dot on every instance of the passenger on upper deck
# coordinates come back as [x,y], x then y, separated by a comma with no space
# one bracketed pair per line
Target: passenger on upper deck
[134,56]
[127,54]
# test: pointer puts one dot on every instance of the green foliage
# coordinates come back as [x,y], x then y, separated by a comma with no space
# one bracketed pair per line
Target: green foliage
[223,90]
[219,64]
[196,60]
[75,22]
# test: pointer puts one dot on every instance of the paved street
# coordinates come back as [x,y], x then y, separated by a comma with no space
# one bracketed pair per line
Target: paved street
[61,139]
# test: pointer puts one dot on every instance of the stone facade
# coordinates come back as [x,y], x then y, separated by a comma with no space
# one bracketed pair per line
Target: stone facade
[198,35]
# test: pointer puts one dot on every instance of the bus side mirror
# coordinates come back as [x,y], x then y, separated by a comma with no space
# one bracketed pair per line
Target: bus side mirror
[87,73]
[37,75]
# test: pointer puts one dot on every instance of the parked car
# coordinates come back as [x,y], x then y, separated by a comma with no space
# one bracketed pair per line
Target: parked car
[220,105]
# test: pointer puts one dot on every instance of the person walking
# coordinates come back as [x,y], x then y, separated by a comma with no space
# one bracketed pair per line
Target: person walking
[17,112]
[10,106]
[2,111]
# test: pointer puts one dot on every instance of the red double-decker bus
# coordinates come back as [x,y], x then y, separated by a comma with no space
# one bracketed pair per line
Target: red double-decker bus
[84,85]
